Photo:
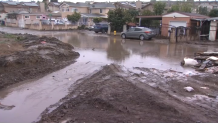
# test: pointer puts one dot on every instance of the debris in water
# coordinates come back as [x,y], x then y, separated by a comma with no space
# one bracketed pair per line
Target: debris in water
[189,89]
[188,62]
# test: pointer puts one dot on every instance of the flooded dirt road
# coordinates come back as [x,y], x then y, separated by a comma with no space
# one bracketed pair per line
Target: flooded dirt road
[101,48]
[31,98]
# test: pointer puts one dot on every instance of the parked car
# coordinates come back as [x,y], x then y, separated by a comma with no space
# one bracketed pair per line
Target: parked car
[45,22]
[91,28]
[138,33]
[100,28]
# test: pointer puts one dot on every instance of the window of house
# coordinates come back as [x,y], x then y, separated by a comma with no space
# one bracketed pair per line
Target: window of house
[62,10]
[75,10]
[26,17]
[100,10]
[214,7]
[68,9]
[38,17]
[90,11]
[30,9]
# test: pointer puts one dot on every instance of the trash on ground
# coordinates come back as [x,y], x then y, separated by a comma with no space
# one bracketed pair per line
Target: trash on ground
[206,62]
[189,89]
[189,61]
[204,88]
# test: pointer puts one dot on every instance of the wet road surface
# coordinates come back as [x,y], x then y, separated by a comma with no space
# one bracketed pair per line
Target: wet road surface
[96,50]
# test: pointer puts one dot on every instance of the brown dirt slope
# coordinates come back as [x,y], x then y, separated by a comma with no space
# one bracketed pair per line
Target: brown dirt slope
[111,96]
[33,58]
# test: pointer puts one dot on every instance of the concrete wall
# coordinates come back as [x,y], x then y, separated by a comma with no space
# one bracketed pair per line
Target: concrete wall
[42,6]
[138,4]
[213,29]
[166,21]
[39,26]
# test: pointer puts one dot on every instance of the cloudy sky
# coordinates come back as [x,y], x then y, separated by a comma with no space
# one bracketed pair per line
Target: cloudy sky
[97,0]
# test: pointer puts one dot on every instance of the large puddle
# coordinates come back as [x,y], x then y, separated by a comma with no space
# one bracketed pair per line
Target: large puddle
[96,50]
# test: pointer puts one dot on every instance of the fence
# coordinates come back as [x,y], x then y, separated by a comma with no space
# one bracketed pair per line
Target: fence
[38,25]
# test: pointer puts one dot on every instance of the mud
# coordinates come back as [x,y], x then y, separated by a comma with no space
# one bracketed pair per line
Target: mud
[116,94]
[35,57]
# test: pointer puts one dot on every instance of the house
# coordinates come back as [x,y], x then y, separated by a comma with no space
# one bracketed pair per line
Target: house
[101,8]
[74,7]
[209,6]
[11,6]
[149,7]
[87,10]
[176,19]
[54,6]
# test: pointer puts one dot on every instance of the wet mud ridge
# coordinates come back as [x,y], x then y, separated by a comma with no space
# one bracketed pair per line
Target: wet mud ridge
[25,56]
[115,94]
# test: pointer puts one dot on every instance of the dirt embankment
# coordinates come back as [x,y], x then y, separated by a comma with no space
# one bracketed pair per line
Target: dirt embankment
[114,94]
[27,56]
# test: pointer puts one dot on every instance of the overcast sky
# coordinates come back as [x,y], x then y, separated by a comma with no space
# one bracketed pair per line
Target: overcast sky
[96,0]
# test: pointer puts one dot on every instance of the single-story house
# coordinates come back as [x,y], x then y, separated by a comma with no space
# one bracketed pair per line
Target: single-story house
[176,19]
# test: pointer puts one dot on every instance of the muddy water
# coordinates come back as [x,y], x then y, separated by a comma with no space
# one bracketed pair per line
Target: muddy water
[96,50]
[31,98]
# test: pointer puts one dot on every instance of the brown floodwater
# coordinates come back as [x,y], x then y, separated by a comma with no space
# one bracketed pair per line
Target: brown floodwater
[96,50]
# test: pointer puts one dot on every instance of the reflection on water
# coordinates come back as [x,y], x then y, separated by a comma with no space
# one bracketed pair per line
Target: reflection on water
[100,48]
[116,51]
[131,53]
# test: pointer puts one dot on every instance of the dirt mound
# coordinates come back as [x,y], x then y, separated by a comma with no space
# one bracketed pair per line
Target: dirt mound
[111,95]
[39,56]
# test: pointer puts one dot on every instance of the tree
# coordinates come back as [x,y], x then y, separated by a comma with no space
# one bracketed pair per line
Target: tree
[181,7]
[213,13]
[159,8]
[130,15]
[147,13]
[186,7]
[118,17]
[174,8]
[74,17]
[202,10]
[97,20]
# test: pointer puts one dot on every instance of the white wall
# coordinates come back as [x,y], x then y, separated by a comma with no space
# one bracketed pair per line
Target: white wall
[212,35]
